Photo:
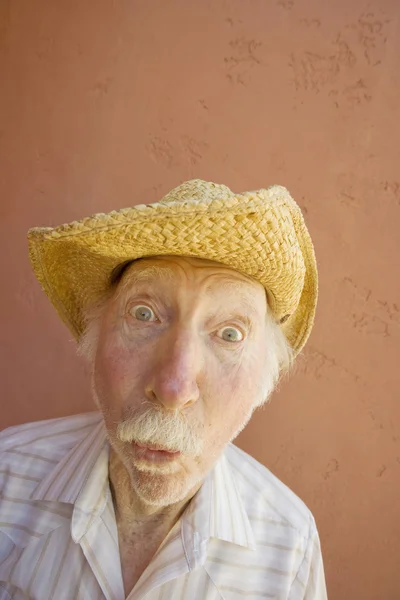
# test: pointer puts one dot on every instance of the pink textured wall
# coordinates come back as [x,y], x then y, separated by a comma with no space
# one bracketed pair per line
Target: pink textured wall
[105,104]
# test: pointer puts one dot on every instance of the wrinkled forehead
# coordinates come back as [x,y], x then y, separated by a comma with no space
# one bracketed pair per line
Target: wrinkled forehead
[167,268]
[210,277]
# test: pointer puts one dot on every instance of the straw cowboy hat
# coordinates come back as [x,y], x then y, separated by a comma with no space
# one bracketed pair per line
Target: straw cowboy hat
[260,233]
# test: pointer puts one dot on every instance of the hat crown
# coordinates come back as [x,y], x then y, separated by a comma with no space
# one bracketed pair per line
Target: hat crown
[196,190]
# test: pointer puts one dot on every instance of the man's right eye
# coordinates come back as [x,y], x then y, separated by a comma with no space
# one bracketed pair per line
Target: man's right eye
[143,313]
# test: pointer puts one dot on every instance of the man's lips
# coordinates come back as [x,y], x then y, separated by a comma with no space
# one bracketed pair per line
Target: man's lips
[150,451]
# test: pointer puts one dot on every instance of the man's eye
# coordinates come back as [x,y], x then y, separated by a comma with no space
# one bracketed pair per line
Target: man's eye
[143,313]
[231,334]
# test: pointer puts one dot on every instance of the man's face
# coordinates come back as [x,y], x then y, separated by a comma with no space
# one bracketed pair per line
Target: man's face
[179,367]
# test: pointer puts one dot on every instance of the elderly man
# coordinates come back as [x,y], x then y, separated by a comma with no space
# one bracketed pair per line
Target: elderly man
[188,311]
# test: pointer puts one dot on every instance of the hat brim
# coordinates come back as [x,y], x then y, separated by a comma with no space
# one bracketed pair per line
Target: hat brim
[262,234]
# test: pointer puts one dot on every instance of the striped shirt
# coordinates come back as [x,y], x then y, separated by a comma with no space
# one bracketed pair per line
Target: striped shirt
[244,535]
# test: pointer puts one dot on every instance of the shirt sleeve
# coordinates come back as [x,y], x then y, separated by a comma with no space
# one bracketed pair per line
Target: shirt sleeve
[309,583]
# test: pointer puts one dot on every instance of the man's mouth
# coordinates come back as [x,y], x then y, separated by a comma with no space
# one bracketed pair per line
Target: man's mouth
[154,453]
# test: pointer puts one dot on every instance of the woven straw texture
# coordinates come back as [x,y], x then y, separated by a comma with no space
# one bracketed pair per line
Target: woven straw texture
[261,234]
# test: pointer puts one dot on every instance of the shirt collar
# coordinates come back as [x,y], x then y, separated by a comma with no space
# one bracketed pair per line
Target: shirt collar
[66,480]
[217,511]
[81,478]
[229,520]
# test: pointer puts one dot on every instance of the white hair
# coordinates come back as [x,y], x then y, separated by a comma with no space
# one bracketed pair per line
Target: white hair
[89,339]
[279,358]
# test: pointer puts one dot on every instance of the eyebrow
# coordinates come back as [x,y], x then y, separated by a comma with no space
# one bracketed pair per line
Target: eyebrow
[149,273]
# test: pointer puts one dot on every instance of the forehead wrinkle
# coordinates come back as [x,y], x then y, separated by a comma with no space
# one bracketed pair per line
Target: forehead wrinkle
[242,290]
[147,273]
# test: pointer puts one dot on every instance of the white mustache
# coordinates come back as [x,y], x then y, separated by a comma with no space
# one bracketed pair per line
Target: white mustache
[152,425]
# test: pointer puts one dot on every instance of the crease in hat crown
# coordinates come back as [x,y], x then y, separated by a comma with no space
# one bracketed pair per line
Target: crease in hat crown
[260,233]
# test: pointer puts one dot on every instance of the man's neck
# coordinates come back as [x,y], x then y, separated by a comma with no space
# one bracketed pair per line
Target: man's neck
[142,528]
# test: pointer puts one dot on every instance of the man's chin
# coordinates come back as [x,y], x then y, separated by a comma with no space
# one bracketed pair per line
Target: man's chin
[158,483]
[158,488]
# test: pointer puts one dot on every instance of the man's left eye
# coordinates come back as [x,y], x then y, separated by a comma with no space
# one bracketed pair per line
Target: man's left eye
[143,313]
[231,334]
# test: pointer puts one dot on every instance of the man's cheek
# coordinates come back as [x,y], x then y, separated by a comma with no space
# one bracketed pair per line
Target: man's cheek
[113,370]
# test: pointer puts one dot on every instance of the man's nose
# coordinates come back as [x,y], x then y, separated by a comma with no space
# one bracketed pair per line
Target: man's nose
[174,381]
